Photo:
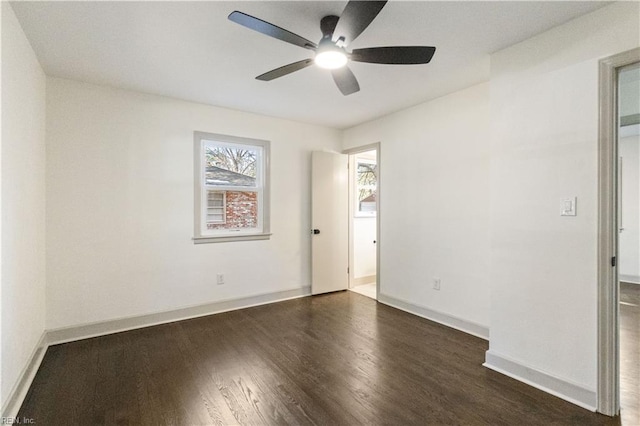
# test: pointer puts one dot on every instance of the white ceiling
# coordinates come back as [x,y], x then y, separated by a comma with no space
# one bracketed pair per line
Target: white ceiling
[189,50]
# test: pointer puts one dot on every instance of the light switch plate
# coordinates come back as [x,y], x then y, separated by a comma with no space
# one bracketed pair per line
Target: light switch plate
[568,206]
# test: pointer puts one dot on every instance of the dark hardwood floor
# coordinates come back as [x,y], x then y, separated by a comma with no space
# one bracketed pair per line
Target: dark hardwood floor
[630,353]
[337,359]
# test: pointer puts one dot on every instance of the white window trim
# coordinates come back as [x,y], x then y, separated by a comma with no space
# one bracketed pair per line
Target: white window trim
[201,237]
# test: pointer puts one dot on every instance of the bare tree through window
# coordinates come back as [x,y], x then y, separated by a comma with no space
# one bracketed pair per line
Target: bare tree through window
[366,179]
[237,160]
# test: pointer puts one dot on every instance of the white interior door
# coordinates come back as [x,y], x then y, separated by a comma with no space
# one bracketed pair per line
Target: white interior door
[329,215]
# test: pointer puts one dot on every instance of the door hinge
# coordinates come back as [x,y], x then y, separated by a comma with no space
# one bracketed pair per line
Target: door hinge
[613,261]
[347,270]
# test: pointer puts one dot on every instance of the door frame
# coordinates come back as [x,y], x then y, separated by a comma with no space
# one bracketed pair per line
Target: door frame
[608,389]
[356,150]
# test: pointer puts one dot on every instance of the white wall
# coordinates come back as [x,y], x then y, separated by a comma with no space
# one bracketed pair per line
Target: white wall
[629,150]
[23,202]
[120,211]
[434,173]
[364,250]
[544,106]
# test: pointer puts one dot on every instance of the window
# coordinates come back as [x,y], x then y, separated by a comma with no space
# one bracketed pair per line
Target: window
[231,191]
[366,182]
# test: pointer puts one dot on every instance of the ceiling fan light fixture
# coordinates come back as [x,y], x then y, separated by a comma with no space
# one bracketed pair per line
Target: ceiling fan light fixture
[331,59]
[330,56]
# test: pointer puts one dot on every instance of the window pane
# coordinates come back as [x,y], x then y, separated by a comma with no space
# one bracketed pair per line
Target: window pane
[366,182]
[231,166]
[240,211]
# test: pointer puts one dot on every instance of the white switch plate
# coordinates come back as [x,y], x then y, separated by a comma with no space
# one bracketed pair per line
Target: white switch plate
[568,206]
[436,283]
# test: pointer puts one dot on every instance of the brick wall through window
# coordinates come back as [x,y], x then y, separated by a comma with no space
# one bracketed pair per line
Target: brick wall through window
[241,211]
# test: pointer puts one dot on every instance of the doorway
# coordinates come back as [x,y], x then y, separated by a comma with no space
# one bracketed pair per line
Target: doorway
[364,182]
[618,344]
[629,239]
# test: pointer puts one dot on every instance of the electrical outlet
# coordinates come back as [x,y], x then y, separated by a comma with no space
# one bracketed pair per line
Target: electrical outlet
[436,283]
[220,279]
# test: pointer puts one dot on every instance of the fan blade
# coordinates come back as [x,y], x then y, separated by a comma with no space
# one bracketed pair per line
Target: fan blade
[284,70]
[345,80]
[355,18]
[271,30]
[397,55]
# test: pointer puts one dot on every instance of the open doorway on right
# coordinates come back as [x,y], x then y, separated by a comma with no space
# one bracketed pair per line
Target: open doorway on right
[629,241]
[363,207]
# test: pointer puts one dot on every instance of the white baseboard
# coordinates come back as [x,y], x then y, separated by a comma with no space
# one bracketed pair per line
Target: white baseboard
[85,331]
[564,389]
[363,280]
[22,385]
[633,279]
[468,327]
[69,334]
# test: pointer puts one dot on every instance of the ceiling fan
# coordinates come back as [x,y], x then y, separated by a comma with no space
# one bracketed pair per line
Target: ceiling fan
[337,34]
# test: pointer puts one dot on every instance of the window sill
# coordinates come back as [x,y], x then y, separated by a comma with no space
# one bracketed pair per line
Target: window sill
[230,238]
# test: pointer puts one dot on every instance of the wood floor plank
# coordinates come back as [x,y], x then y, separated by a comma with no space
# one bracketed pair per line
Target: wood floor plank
[356,365]
[337,359]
